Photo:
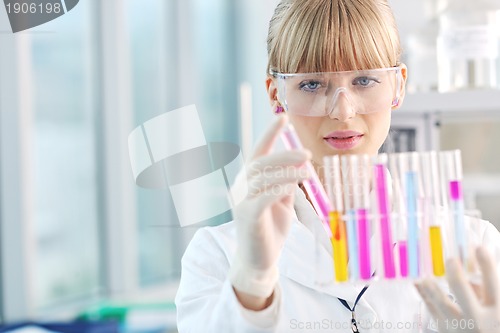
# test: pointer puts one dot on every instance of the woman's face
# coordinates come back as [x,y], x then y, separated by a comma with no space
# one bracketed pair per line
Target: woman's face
[343,131]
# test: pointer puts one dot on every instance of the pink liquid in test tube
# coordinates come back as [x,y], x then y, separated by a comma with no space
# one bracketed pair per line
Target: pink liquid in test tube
[458,214]
[385,225]
[403,258]
[313,186]
[364,241]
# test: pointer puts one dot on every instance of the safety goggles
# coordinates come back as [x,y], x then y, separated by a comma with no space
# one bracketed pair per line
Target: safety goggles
[317,94]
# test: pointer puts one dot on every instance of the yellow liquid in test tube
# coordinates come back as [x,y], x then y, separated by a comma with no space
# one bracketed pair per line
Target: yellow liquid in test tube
[437,251]
[339,244]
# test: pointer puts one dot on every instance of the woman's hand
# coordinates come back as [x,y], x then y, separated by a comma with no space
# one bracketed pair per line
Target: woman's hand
[264,217]
[478,308]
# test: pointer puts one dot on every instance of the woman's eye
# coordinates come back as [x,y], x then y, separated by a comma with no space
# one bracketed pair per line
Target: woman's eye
[310,85]
[365,81]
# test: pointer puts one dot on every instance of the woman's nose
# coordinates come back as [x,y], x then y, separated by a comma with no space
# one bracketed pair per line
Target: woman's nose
[341,107]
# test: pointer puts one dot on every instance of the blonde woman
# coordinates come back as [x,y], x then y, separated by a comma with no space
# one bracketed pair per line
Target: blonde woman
[257,273]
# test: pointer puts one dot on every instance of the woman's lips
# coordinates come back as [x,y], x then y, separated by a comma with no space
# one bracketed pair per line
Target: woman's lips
[343,140]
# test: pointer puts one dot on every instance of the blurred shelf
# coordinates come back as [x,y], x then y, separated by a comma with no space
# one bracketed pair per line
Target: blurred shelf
[485,184]
[485,101]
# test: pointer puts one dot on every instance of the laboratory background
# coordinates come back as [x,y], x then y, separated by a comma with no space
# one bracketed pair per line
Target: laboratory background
[80,239]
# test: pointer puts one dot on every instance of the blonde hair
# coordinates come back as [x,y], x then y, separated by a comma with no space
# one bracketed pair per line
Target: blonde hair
[332,35]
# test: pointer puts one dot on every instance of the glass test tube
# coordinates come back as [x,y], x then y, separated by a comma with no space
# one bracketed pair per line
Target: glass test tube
[453,177]
[411,182]
[350,216]
[314,189]
[361,195]
[399,220]
[383,212]
[432,216]
[337,225]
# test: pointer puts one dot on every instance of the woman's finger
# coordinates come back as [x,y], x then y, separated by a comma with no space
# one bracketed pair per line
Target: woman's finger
[461,288]
[435,312]
[266,143]
[491,280]
[272,195]
[438,302]
[274,180]
[277,161]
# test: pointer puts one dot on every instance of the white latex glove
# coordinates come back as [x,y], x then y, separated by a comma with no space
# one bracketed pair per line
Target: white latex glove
[478,308]
[264,217]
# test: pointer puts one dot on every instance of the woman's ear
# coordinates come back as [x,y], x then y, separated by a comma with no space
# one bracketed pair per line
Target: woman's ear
[272,92]
[402,88]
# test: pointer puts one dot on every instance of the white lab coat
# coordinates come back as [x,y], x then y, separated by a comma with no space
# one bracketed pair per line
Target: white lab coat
[206,301]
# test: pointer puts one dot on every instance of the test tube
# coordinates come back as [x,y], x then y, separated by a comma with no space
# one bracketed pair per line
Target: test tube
[361,194]
[383,211]
[337,225]
[432,216]
[399,219]
[411,180]
[453,176]
[350,213]
[313,187]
